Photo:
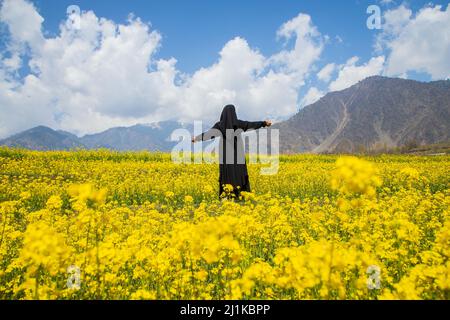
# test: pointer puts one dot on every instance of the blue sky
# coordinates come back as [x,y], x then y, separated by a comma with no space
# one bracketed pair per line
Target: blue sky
[207,39]
[195,31]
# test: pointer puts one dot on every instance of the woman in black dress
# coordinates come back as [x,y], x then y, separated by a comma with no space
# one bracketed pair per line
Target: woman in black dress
[232,168]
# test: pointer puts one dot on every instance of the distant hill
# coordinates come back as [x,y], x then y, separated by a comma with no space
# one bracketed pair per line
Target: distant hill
[155,137]
[43,138]
[375,113]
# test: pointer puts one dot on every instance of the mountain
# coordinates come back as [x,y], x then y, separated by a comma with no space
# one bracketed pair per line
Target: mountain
[374,114]
[43,138]
[155,137]
[138,137]
[377,113]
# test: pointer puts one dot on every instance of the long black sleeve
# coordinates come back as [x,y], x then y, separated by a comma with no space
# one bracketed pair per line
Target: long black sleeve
[210,134]
[251,125]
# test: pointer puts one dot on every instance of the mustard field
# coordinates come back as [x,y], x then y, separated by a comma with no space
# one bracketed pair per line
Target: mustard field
[109,225]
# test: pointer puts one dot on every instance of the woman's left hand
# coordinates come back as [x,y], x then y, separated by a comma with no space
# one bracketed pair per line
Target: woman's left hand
[268,123]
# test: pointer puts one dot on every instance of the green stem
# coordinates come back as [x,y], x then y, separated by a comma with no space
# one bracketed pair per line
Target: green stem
[3,229]
[98,264]
[36,285]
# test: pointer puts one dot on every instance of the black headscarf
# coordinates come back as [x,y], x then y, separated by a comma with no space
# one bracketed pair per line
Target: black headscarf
[228,119]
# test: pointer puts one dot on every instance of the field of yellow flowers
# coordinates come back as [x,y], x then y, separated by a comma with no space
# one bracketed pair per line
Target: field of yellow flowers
[109,225]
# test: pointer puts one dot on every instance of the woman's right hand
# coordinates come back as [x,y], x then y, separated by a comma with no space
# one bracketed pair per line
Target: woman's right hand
[268,123]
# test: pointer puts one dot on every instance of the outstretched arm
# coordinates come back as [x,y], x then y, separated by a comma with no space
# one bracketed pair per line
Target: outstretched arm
[253,125]
[207,135]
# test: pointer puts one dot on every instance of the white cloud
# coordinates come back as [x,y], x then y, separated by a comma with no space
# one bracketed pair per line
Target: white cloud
[84,80]
[419,42]
[312,96]
[307,49]
[386,2]
[350,73]
[325,73]
[106,74]
[12,63]
[23,21]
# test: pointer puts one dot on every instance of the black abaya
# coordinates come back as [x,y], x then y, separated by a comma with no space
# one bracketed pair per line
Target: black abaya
[234,171]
